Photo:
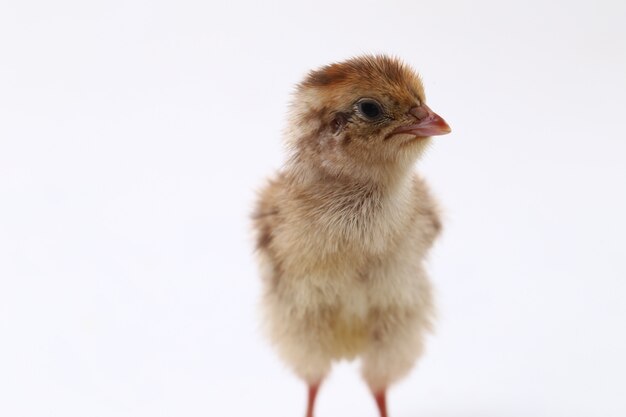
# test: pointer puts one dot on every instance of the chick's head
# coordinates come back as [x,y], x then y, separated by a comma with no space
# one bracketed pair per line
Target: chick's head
[362,116]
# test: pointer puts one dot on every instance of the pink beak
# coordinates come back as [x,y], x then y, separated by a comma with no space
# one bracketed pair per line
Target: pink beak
[428,123]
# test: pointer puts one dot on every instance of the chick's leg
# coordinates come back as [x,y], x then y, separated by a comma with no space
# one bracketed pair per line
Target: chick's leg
[381,402]
[313,388]
[396,342]
[313,376]
[302,347]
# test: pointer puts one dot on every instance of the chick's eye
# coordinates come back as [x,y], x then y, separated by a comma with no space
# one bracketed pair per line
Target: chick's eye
[370,109]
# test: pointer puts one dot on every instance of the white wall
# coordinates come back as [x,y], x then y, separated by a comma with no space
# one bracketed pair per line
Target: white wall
[134,133]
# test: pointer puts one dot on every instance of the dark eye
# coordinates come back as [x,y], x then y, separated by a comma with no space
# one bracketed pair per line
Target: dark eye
[370,109]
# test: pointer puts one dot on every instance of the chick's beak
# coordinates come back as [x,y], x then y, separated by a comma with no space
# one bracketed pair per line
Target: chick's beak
[428,123]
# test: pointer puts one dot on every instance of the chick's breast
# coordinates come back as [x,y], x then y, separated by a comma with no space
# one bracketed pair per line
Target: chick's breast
[331,292]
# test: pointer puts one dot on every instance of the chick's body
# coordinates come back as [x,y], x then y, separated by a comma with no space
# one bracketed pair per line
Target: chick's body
[343,229]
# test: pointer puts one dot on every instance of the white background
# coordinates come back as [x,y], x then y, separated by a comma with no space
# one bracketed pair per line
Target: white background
[133,135]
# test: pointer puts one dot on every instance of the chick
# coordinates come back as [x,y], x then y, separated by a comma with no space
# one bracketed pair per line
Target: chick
[342,230]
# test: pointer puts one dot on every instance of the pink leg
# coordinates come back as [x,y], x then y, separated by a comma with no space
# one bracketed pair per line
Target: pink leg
[313,388]
[381,401]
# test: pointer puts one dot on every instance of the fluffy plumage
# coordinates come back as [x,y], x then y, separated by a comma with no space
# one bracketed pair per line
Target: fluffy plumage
[342,230]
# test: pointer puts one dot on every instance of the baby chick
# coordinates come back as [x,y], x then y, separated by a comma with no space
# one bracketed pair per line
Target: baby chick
[342,230]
